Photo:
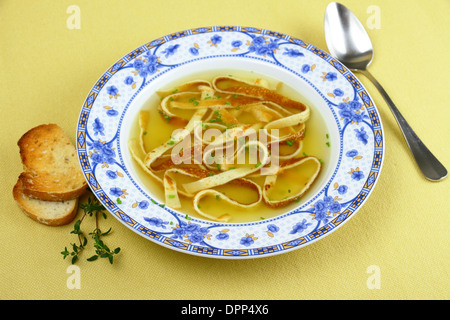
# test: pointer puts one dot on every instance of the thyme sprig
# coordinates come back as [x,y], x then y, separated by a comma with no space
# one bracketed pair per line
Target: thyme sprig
[92,208]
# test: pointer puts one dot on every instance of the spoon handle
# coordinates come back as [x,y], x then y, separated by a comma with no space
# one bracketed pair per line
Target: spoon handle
[427,162]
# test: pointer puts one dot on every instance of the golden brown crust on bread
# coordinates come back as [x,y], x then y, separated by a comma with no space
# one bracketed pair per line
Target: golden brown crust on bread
[51,168]
[51,213]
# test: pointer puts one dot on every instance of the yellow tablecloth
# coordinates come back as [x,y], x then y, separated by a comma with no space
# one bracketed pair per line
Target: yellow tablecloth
[395,247]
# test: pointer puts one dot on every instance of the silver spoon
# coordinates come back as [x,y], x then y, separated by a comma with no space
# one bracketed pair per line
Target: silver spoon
[348,41]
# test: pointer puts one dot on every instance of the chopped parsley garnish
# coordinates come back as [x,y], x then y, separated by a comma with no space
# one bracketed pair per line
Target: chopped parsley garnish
[165,116]
[194,101]
[218,118]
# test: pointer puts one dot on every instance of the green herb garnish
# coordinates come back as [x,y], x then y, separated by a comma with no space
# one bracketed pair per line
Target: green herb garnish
[92,208]
[194,101]
[165,116]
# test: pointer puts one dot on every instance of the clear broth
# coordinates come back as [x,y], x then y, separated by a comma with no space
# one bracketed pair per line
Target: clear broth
[315,143]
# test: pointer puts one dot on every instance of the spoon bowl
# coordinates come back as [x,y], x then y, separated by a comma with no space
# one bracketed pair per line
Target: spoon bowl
[348,41]
[346,37]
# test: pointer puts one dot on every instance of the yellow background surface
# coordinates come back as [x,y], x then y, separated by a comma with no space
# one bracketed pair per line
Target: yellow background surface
[403,228]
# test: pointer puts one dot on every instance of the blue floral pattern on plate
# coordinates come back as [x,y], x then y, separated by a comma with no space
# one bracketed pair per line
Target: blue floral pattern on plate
[360,130]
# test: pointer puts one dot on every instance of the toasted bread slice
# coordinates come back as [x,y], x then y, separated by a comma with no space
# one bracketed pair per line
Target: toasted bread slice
[51,168]
[51,213]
